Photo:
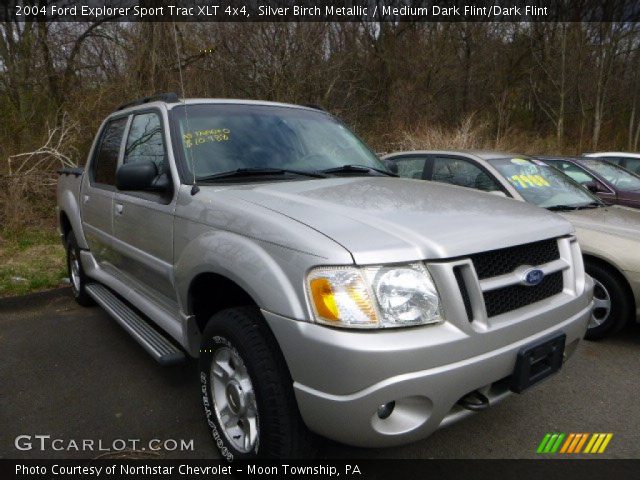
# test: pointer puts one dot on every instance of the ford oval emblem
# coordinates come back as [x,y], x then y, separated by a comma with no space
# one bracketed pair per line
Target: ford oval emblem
[533,277]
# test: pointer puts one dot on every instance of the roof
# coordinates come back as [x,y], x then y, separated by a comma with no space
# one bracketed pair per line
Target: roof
[558,157]
[171,100]
[483,154]
[487,154]
[613,154]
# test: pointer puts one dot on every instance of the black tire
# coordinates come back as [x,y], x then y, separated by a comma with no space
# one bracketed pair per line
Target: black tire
[78,280]
[281,433]
[608,283]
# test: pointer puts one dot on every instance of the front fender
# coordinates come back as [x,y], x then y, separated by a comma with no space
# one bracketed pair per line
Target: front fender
[246,262]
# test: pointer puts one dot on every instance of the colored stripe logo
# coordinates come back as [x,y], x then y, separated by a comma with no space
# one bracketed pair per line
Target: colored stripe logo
[553,443]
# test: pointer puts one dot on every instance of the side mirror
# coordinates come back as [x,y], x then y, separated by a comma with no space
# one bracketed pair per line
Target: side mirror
[391,166]
[141,176]
[593,187]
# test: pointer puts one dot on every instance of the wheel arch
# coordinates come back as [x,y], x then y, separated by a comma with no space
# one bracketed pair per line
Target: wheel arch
[202,305]
[65,225]
[69,218]
[220,270]
[617,272]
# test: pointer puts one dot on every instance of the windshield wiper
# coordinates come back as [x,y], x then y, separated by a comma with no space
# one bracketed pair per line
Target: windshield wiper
[358,169]
[590,205]
[561,208]
[568,208]
[257,172]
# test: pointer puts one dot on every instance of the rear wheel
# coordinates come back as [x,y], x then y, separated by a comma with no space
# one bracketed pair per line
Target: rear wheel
[612,305]
[77,277]
[246,390]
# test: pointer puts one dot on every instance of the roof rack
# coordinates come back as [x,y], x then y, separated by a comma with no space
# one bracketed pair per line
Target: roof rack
[170,97]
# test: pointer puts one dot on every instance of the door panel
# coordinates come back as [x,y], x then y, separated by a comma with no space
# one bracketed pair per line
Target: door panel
[98,191]
[144,245]
[143,221]
[630,199]
[96,207]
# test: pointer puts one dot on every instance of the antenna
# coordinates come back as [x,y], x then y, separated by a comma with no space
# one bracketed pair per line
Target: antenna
[194,186]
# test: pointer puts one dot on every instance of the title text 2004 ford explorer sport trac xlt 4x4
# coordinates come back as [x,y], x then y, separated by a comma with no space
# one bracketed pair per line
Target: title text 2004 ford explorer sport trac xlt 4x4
[319,292]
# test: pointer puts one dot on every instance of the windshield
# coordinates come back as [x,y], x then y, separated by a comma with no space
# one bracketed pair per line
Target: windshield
[613,174]
[219,138]
[541,184]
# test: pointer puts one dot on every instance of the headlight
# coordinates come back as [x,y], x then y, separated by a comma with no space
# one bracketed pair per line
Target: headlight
[406,295]
[374,297]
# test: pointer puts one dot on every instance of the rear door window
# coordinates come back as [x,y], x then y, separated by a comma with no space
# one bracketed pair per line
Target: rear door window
[616,160]
[106,158]
[633,165]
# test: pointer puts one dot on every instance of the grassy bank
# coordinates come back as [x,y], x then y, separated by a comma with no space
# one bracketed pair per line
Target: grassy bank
[30,260]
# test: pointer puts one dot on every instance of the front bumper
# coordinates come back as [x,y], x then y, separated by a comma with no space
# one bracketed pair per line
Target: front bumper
[341,377]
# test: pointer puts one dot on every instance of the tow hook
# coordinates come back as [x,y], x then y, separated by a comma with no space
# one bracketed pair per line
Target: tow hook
[474,401]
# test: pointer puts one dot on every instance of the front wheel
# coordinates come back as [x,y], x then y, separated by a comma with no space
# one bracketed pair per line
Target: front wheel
[246,390]
[612,307]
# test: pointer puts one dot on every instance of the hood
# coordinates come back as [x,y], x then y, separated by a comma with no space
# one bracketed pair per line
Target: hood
[615,220]
[383,220]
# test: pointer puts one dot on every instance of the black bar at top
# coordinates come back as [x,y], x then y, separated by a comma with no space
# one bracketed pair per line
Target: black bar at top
[321,11]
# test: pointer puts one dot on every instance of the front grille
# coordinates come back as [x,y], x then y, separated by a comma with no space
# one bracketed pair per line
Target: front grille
[512,297]
[500,262]
[457,271]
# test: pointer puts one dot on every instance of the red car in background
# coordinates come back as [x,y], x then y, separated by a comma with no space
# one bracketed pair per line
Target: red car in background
[612,183]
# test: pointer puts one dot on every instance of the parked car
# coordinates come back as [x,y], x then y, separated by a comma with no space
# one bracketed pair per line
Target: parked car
[609,235]
[628,160]
[318,291]
[610,182]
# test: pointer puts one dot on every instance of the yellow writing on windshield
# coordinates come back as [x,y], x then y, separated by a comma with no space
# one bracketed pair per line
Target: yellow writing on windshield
[198,137]
[526,181]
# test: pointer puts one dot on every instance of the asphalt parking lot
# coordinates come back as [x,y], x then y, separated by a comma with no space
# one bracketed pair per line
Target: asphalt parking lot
[74,374]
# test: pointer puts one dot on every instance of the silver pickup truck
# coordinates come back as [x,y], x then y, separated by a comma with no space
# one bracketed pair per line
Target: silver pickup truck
[320,293]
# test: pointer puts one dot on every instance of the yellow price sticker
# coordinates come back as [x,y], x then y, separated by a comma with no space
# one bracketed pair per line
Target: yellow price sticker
[199,137]
[526,181]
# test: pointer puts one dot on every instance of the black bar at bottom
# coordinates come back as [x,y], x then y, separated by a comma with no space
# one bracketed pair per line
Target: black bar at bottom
[567,469]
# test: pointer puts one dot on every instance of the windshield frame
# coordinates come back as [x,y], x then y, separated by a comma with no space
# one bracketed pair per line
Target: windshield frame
[186,176]
[538,163]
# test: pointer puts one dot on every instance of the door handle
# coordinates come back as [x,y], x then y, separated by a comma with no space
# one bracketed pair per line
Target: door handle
[119,208]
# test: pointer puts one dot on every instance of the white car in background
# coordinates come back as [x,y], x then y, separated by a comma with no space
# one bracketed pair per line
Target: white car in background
[608,235]
[628,160]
